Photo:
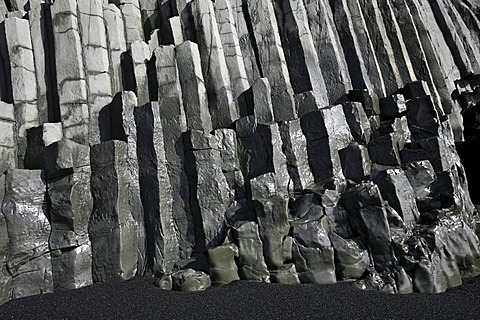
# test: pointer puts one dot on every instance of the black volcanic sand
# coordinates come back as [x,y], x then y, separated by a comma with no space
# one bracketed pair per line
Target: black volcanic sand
[140,299]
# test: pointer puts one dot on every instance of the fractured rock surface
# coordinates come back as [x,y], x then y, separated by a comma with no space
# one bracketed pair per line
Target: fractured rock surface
[207,142]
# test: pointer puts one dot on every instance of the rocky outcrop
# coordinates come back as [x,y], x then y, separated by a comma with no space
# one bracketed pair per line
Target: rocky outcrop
[208,142]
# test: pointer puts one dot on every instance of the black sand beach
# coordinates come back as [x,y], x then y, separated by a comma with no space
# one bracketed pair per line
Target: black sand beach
[140,299]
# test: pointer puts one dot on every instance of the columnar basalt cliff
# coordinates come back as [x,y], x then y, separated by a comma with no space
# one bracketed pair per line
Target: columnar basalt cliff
[204,142]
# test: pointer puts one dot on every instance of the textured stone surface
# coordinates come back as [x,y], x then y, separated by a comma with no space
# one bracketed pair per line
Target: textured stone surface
[204,142]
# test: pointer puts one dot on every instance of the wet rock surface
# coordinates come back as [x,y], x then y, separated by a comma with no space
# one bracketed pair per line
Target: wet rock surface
[204,143]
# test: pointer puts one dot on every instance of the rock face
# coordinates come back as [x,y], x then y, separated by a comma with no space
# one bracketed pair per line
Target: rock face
[207,142]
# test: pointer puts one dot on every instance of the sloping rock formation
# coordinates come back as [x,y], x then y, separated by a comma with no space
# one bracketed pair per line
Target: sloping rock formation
[204,142]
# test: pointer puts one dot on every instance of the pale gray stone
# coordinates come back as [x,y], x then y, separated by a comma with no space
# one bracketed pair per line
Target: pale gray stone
[223,109]
[194,93]
[272,58]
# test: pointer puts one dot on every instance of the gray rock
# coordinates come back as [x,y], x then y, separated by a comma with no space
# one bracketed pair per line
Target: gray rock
[313,253]
[227,144]
[351,258]
[195,99]
[287,274]
[173,129]
[25,211]
[260,152]
[209,196]
[114,254]
[272,217]
[5,276]
[357,46]
[432,149]
[358,122]
[190,280]
[329,50]
[397,191]
[162,243]
[132,19]
[250,256]
[393,106]
[422,118]
[356,164]
[366,211]
[223,268]
[384,150]
[214,65]
[294,146]
[300,54]
[117,44]
[272,58]
[8,158]
[227,29]
[71,205]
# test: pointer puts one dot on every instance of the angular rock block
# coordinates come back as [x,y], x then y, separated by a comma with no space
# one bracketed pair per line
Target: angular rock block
[5,276]
[329,50]
[227,29]
[25,211]
[214,65]
[257,101]
[117,44]
[294,146]
[272,217]
[169,90]
[209,196]
[384,150]
[300,54]
[367,213]
[155,190]
[358,122]
[250,252]
[313,253]
[351,260]
[190,280]
[223,268]
[227,144]
[8,159]
[112,228]
[272,58]
[397,191]
[356,163]
[327,132]
[68,173]
[287,274]
[195,99]
[259,149]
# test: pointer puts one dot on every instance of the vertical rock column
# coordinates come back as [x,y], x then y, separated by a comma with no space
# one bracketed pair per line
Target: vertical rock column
[8,159]
[357,46]
[231,47]
[5,276]
[381,45]
[156,191]
[25,211]
[68,177]
[272,58]
[132,19]
[140,55]
[96,62]
[222,107]
[174,123]
[326,132]
[194,93]
[246,39]
[329,49]
[41,29]
[209,190]
[124,129]
[116,43]
[71,78]
[24,81]
[112,229]
[300,53]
